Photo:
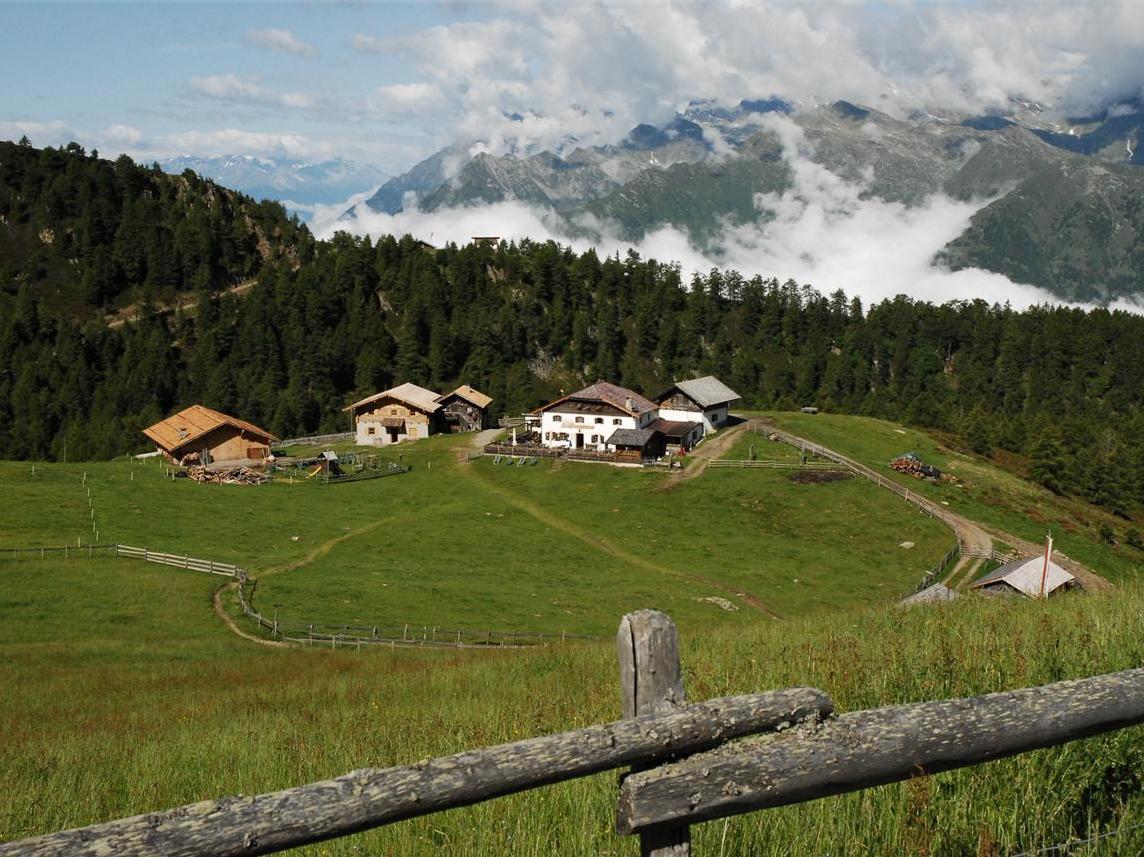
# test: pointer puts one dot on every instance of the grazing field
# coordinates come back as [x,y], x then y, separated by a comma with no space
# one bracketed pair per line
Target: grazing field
[551,547]
[122,692]
[119,705]
[986,493]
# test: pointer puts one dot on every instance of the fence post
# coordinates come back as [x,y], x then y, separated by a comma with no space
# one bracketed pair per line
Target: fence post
[651,681]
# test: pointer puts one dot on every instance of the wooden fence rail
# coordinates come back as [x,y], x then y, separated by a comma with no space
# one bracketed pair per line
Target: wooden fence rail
[775,464]
[687,767]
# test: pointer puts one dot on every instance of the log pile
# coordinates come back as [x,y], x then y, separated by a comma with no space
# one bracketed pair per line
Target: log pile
[227,476]
[914,466]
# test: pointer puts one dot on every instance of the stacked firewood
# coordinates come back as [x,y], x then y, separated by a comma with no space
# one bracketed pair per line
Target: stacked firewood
[915,467]
[227,476]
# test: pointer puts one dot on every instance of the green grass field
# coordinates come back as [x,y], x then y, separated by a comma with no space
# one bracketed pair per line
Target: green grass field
[122,692]
[985,492]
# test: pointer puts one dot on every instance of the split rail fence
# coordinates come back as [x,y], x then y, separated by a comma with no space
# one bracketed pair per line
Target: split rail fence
[316,633]
[689,763]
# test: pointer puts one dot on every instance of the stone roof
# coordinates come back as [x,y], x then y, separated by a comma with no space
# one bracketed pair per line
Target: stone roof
[705,392]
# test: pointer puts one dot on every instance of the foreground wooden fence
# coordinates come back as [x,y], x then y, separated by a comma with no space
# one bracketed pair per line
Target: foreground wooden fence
[687,767]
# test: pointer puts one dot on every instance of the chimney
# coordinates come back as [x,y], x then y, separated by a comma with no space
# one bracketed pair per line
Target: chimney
[628,400]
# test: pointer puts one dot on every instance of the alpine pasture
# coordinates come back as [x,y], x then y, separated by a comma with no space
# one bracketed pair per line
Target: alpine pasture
[123,691]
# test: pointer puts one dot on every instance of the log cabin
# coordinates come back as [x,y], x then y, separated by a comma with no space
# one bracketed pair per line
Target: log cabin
[201,435]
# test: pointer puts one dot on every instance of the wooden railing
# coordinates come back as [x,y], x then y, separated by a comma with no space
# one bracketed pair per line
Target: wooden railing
[685,767]
[775,464]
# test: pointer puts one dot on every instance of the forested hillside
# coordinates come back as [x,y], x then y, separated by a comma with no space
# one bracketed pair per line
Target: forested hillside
[331,321]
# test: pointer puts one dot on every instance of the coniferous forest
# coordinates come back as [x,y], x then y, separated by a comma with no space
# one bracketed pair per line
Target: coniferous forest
[86,243]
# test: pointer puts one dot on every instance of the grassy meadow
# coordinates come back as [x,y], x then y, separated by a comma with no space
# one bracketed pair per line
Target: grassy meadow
[987,493]
[122,692]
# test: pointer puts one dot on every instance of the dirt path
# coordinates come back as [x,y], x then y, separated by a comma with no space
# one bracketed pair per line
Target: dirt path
[697,459]
[131,312]
[568,528]
[975,538]
[228,620]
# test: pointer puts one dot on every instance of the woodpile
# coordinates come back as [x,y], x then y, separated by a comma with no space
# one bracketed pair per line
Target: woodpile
[914,466]
[227,476]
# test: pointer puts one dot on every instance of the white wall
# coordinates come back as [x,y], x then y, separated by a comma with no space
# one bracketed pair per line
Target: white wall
[556,422]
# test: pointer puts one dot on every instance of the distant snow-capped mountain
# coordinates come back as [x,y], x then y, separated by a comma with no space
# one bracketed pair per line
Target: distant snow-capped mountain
[305,184]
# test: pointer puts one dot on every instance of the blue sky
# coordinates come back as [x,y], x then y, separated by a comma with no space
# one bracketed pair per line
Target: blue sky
[389,83]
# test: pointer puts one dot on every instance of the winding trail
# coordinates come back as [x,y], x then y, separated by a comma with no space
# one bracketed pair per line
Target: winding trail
[568,528]
[974,538]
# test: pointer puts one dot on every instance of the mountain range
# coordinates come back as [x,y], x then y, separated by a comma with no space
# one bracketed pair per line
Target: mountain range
[1060,199]
[296,184]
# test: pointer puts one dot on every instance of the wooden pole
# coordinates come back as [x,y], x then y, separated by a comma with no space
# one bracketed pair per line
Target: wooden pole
[1045,569]
[651,682]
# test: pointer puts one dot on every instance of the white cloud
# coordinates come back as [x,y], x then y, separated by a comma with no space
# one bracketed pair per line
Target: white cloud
[593,70]
[234,141]
[406,98]
[51,133]
[282,41]
[248,90]
[123,135]
[823,232]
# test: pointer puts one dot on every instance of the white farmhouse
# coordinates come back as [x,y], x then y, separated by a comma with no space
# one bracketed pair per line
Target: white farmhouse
[705,400]
[587,418]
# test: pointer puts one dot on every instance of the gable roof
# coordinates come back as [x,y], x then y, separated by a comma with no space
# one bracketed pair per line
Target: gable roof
[705,391]
[192,423]
[410,394]
[1024,575]
[611,394]
[936,593]
[470,395]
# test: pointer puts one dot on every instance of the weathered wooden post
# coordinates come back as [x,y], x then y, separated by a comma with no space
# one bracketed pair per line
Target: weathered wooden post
[651,682]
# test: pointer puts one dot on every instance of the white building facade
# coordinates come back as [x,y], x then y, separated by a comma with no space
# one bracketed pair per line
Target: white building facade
[587,418]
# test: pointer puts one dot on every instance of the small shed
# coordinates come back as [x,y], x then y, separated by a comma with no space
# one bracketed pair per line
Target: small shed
[646,442]
[1023,577]
[465,409]
[201,435]
[935,594]
[678,436]
[405,412]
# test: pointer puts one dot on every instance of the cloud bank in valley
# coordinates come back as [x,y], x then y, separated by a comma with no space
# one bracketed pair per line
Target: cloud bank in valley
[822,233]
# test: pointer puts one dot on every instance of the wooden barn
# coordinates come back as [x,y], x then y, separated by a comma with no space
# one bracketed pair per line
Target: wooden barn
[200,435]
[406,412]
[465,409]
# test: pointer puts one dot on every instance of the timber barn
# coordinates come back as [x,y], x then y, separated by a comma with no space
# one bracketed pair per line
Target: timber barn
[200,435]
[706,400]
[406,412]
[465,409]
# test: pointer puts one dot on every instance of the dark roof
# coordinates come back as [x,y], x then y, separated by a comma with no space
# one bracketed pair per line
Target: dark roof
[631,437]
[611,394]
[705,391]
[673,428]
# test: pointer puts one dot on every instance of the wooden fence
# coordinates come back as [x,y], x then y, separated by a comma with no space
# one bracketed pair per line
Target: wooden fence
[621,456]
[776,464]
[687,765]
[316,439]
[208,566]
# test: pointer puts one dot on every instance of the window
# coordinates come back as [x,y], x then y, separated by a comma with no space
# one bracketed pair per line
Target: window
[393,412]
[617,421]
[557,418]
[599,420]
[548,435]
[371,430]
[579,419]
